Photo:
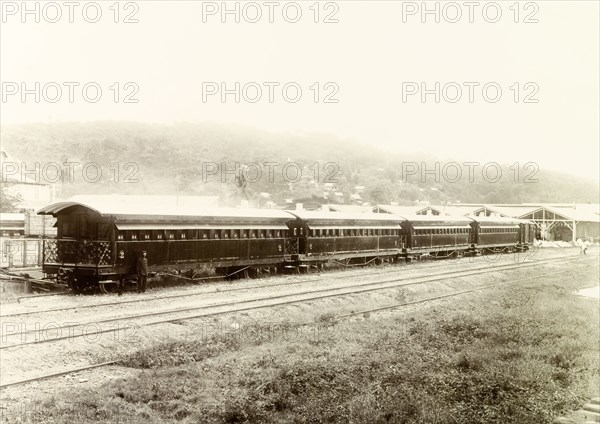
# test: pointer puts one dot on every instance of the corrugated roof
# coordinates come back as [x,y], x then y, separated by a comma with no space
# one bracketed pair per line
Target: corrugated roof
[401,210]
[575,214]
[459,209]
[12,217]
[350,208]
[513,211]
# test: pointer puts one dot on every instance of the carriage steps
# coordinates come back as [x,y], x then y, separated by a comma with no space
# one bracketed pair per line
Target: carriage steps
[588,414]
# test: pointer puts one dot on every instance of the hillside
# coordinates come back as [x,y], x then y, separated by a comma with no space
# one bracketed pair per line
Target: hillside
[180,158]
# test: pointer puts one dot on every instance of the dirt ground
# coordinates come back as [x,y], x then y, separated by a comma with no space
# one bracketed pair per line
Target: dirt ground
[39,359]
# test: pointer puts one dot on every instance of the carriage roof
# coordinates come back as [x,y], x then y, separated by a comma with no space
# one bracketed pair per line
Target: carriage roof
[497,221]
[152,208]
[430,221]
[339,219]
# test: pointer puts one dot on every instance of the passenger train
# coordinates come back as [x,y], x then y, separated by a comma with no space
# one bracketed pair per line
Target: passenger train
[98,242]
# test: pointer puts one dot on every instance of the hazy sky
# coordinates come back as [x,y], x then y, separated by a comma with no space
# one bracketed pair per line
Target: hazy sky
[368,56]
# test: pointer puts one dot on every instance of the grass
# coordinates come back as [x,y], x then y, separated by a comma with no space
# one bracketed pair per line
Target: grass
[521,355]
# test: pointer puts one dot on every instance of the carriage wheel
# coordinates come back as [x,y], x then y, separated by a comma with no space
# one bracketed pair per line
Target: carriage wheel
[76,286]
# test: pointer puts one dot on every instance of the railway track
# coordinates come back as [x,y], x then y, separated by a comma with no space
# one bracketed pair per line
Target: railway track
[362,312]
[345,290]
[270,301]
[317,278]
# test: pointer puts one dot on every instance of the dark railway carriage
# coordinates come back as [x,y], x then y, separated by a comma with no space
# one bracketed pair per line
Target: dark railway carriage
[436,235]
[501,234]
[350,238]
[100,243]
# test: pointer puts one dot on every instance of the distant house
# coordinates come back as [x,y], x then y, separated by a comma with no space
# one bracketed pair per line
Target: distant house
[28,184]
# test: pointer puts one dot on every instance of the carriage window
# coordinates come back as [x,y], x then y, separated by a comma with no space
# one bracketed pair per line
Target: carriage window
[295,231]
[269,233]
[301,230]
[262,233]
[341,233]
[235,234]
[133,235]
[159,236]
[183,235]
[120,236]
[146,236]
[103,233]
[226,234]
[171,235]
[278,233]
[244,233]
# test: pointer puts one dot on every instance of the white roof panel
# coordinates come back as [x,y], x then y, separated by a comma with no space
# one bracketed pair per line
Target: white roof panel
[132,205]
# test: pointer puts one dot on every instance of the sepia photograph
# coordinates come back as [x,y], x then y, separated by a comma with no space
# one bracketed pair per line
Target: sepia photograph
[311,211]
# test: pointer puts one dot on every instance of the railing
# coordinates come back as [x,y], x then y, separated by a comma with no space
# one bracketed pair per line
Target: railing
[291,246]
[81,252]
